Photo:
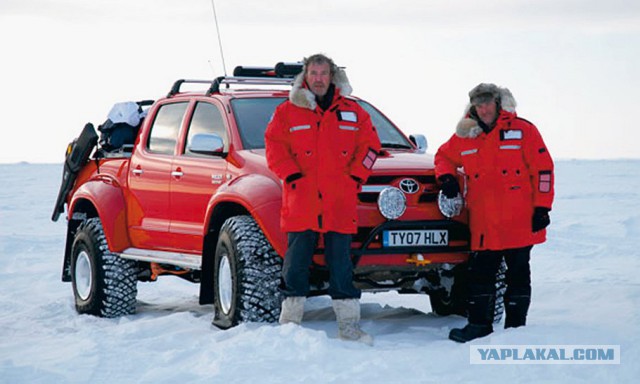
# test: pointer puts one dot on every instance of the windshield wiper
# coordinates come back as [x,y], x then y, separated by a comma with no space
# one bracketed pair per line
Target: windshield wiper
[396,145]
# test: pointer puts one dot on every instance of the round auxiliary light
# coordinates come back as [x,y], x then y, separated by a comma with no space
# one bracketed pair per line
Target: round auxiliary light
[450,207]
[392,203]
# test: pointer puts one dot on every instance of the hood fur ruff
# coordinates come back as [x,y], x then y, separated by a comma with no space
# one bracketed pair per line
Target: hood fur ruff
[468,127]
[302,97]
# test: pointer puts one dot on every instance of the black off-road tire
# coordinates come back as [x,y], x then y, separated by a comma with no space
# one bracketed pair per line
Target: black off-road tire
[104,284]
[451,300]
[454,301]
[247,274]
[501,288]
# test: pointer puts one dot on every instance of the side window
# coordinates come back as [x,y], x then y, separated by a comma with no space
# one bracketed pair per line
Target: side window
[166,127]
[207,119]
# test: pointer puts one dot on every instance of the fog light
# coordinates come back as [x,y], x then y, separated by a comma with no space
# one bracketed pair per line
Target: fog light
[392,203]
[450,207]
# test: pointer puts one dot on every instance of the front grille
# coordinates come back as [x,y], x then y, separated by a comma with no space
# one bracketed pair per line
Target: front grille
[372,198]
[427,186]
[428,197]
[422,179]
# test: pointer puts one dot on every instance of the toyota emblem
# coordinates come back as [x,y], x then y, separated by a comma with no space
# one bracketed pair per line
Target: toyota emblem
[409,186]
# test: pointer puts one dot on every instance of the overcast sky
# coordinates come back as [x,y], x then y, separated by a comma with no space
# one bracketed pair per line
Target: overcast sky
[572,65]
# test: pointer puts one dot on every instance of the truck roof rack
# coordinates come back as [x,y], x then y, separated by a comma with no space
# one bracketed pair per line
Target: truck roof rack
[281,74]
[280,70]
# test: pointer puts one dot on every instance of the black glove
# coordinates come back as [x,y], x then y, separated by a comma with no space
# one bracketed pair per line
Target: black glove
[540,219]
[293,177]
[449,185]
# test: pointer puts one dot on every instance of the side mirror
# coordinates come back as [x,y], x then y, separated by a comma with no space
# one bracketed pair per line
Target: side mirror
[420,141]
[206,144]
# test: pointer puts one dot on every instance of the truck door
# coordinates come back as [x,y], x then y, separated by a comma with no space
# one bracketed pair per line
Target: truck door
[195,178]
[150,175]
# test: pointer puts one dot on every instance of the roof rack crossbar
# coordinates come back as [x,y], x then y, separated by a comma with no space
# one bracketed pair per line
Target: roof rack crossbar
[243,80]
[215,86]
[176,86]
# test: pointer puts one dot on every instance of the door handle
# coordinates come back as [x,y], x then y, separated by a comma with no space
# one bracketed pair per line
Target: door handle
[177,174]
[137,171]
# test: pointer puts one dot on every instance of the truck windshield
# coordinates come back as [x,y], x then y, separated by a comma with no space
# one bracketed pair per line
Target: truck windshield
[253,114]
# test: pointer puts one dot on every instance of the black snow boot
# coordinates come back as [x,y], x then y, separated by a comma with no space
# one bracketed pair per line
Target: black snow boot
[516,308]
[480,319]
[470,332]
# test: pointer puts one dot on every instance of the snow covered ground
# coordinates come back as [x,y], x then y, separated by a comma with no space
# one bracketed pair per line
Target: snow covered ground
[586,291]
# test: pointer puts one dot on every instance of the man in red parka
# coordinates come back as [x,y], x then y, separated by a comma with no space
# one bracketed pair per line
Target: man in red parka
[509,191]
[322,144]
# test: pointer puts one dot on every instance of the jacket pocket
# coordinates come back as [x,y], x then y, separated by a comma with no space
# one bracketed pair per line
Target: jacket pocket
[297,196]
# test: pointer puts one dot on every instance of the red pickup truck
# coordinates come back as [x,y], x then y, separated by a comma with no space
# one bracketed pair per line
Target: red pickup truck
[190,195]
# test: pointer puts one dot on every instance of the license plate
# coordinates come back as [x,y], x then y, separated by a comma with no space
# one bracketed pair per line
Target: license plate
[408,238]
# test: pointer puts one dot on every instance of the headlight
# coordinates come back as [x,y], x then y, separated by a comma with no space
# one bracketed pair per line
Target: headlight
[450,207]
[392,203]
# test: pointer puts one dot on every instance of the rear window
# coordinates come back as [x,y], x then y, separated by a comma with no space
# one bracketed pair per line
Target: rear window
[165,129]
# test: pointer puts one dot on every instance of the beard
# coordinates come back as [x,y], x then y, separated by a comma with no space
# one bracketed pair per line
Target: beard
[319,89]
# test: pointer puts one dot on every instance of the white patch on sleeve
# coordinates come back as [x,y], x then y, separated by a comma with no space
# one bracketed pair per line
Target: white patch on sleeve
[545,182]
[348,116]
[513,134]
[370,159]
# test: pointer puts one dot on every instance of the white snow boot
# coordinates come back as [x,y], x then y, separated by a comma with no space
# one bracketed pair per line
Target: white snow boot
[348,316]
[292,310]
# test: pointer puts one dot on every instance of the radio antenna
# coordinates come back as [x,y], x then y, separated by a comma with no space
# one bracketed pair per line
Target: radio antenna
[215,18]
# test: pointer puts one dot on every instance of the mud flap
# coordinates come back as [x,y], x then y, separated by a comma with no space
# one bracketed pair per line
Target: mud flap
[78,153]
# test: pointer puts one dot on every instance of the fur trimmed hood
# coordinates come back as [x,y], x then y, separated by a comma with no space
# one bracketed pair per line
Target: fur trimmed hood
[302,97]
[468,127]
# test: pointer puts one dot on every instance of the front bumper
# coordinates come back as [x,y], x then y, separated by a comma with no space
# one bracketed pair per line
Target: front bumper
[371,244]
[368,250]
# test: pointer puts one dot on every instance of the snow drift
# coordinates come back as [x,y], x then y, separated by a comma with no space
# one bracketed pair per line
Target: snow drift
[586,291]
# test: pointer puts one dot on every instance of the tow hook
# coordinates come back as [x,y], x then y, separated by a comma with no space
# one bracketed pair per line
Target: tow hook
[418,259]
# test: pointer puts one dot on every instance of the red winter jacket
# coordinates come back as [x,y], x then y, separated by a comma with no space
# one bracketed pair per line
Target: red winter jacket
[508,172]
[329,148]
